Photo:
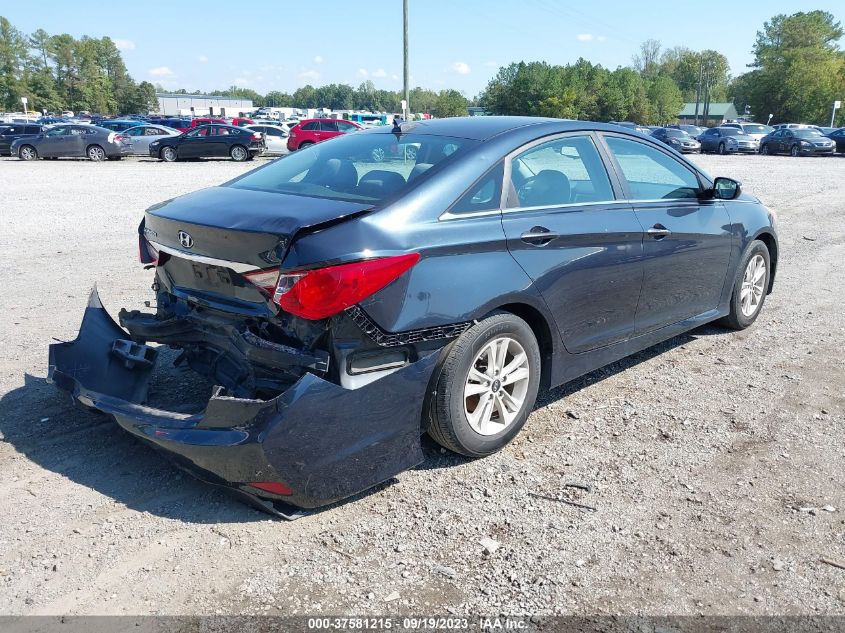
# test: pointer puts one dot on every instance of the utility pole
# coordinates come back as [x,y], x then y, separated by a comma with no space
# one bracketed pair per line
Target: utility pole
[407,108]
[698,88]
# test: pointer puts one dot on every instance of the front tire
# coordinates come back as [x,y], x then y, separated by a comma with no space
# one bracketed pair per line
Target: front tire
[168,154]
[794,151]
[750,287]
[487,386]
[722,149]
[27,152]
[96,153]
[764,149]
[239,153]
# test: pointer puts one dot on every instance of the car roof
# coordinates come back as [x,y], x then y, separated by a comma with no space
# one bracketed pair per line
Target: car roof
[485,127]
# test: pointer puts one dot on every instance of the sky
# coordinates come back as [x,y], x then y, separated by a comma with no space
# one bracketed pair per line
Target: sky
[458,44]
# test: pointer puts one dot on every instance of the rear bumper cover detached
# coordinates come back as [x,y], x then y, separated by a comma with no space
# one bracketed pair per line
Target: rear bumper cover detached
[321,441]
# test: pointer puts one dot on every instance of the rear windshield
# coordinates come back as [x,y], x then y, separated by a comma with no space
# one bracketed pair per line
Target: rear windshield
[757,129]
[359,167]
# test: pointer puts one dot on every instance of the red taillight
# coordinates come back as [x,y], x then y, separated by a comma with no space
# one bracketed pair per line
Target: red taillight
[256,137]
[266,279]
[321,293]
[147,253]
[119,137]
[273,487]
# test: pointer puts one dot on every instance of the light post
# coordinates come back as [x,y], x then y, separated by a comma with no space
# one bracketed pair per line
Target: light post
[836,106]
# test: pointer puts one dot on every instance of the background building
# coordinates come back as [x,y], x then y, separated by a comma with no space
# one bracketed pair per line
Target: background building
[201,105]
[717,113]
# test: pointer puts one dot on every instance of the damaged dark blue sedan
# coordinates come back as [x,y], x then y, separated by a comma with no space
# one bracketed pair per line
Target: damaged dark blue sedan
[344,306]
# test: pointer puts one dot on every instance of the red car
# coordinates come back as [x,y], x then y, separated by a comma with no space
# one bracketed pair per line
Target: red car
[310,131]
[240,122]
[196,122]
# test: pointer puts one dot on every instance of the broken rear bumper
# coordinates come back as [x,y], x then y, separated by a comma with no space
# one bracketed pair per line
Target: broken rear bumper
[320,440]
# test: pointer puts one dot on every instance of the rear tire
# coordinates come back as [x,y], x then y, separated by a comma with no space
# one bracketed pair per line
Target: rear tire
[96,153]
[239,153]
[487,386]
[27,152]
[168,154]
[750,287]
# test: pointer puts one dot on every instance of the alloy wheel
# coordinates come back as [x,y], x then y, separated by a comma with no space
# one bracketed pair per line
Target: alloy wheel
[27,153]
[95,152]
[496,386]
[239,153]
[169,154]
[753,280]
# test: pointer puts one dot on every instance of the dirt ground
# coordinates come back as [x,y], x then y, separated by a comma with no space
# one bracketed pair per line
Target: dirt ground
[715,461]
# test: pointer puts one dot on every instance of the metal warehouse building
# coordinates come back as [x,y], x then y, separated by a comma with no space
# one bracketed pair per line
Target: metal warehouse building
[201,105]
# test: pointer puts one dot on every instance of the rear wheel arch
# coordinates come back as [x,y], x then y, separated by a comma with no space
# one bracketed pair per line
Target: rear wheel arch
[542,332]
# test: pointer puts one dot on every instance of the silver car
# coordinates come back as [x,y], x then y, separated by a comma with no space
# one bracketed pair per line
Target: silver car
[275,136]
[137,139]
[68,140]
[728,140]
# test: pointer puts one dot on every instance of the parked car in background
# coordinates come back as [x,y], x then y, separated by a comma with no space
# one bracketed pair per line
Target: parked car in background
[176,123]
[117,125]
[693,130]
[838,137]
[826,131]
[12,132]
[310,131]
[797,142]
[137,139]
[728,140]
[754,130]
[677,139]
[71,140]
[275,137]
[198,121]
[344,308]
[642,129]
[210,141]
[240,121]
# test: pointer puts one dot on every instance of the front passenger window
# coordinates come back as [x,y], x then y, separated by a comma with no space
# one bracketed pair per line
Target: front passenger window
[651,174]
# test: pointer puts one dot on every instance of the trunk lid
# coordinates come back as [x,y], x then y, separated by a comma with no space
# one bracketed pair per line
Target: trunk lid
[239,225]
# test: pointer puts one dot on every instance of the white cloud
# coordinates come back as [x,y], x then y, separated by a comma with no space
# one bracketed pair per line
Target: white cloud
[362,72]
[161,71]
[202,59]
[394,77]
[584,37]
[380,72]
[124,45]
[462,68]
[318,59]
[309,75]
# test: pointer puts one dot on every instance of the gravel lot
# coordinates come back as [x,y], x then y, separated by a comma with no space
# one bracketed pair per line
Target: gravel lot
[714,461]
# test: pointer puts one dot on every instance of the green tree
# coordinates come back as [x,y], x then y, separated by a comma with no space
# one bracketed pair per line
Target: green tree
[449,103]
[276,99]
[665,99]
[13,57]
[798,69]
[646,60]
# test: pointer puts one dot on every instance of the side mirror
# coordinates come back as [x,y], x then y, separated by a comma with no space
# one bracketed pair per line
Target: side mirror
[726,188]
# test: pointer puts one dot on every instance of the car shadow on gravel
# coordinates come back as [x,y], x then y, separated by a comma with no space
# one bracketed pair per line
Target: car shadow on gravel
[90,449]
[435,457]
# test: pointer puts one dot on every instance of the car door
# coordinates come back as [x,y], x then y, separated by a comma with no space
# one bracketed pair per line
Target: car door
[51,145]
[581,246]
[132,139]
[219,142]
[706,140]
[75,143]
[687,243]
[192,144]
[328,129]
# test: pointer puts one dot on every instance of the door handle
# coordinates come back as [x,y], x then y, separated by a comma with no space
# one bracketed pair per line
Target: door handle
[658,231]
[538,236]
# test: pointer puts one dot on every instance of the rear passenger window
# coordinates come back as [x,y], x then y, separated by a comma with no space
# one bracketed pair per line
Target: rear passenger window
[651,174]
[564,171]
[310,126]
[485,195]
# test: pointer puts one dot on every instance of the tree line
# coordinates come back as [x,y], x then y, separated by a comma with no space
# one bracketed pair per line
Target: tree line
[58,72]
[797,73]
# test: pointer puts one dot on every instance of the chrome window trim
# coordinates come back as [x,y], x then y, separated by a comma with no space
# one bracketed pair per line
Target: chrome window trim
[569,205]
[238,267]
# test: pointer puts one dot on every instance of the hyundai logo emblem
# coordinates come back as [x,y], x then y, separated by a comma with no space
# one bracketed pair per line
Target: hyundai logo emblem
[185,239]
